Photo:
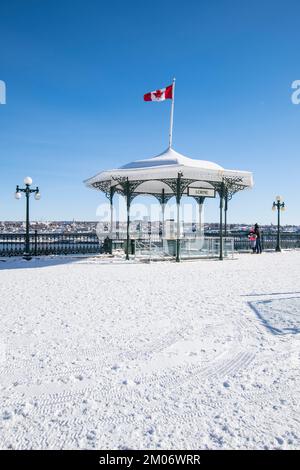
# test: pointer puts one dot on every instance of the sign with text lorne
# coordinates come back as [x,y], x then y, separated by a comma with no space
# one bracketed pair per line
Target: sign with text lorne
[204,192]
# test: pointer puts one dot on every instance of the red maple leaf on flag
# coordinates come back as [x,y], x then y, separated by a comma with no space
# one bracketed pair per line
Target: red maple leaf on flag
[158,94]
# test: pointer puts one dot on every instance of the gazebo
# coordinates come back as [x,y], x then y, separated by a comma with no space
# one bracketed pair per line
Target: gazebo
[172,174]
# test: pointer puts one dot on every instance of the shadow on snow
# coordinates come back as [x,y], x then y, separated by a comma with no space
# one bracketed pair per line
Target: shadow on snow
[281,316]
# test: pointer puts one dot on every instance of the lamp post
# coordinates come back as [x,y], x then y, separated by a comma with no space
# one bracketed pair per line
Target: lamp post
[280,206]
[18,194]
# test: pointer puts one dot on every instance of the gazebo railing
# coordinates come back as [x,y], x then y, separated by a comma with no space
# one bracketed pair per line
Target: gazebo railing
[150,249]
[202,247]
[206,247]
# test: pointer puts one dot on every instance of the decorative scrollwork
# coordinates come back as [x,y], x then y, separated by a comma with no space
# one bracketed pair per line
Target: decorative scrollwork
[127,187]
[232,186]
[104,186]
[228,186]
[163,198]
[179,184]
[199,199]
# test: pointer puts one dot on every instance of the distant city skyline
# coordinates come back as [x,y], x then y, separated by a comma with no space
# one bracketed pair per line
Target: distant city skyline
[80,223]
[75,73]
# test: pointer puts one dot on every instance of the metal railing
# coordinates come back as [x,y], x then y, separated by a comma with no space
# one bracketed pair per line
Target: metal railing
[49,244]
[13,244]
[268,240]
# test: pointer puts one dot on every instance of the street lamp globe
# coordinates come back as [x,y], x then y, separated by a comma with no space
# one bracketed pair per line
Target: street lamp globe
[274,207]
[37,196]
[278,198]
[28,180]
[18,195]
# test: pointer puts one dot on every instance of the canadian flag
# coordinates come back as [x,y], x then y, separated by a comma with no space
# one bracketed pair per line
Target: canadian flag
[160,95]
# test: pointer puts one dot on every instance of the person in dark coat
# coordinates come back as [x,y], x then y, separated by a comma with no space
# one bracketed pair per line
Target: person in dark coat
[258,238]
[107,245]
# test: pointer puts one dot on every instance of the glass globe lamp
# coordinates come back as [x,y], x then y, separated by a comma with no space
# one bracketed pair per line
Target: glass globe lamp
[28,180]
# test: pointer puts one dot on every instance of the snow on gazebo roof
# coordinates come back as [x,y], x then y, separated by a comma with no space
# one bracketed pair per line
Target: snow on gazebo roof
[152,175]
[170,157]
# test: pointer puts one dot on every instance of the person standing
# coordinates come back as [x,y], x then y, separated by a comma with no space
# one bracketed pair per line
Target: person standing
[252,239]
[257,232]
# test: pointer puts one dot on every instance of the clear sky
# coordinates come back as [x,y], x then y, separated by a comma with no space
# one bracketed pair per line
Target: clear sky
[76,72]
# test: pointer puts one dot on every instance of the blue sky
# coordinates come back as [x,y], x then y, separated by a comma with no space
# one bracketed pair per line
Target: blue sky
[76,72]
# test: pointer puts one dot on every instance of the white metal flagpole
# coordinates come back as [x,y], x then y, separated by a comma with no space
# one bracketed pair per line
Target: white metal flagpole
[172,114]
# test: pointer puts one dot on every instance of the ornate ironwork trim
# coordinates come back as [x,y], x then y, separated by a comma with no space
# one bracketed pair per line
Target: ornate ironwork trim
[225,188]
[199,199]
[104,186]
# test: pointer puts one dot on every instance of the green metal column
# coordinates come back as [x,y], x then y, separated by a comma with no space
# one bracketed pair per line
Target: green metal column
[163,213]
[200,201]
[221,221]
[27,221]
[111,196]
[127,192]
[200,206]
[225,215]
[35,242]
[178,197]
[278,227]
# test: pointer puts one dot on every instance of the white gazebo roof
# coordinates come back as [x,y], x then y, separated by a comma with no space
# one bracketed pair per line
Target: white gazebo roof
[154,175]
[170,157]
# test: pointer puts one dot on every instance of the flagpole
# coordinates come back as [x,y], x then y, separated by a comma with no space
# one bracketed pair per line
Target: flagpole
[172,114]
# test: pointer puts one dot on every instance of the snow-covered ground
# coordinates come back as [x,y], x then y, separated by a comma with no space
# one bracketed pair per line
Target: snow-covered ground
[202,354]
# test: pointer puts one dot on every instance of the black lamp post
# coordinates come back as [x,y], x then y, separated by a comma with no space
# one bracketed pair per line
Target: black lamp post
[27,190]
[280,206]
